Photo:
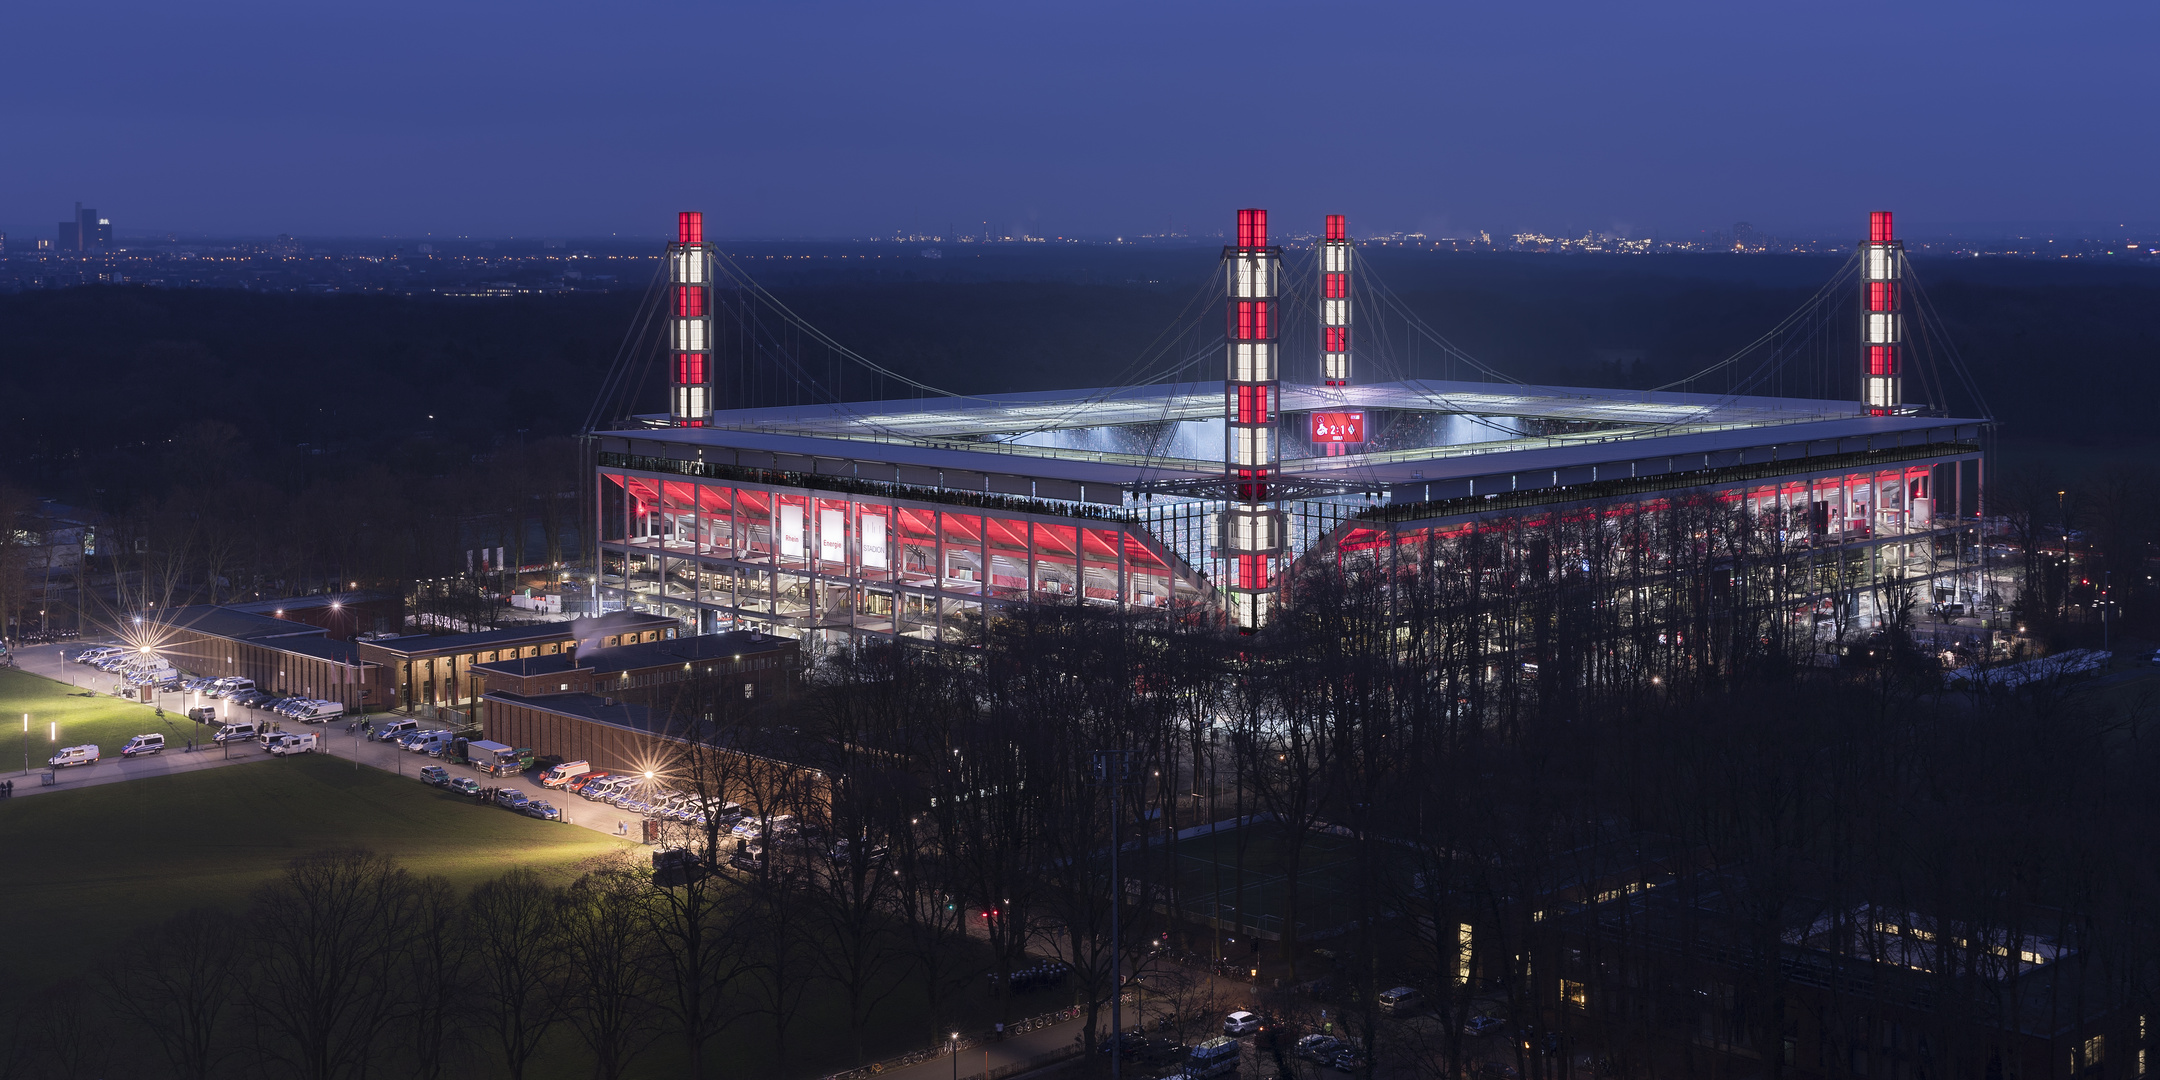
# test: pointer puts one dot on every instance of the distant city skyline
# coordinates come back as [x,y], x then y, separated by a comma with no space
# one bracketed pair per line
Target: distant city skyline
[852,120]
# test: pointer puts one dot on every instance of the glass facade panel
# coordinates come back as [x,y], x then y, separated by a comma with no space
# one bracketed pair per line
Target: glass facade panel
[964,569]
[918,543]
[678,515]
[716,517]
[1057,568]
[716,585]
[874,540]
[1099,558]
[753,518]
[613,506]
[680,580]
[791,530]
[1007,541]
[831,547]
[1147,575]
[644,510]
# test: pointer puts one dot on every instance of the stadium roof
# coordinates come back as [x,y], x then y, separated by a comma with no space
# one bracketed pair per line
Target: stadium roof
[931,438]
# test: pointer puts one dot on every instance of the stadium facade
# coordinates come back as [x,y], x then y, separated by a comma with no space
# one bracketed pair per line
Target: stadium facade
[918,519]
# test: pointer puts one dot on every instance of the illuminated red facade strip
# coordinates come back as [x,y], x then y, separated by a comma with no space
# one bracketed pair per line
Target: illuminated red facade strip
[690,325]
[1882,387]
[1335,305]
[1251,527]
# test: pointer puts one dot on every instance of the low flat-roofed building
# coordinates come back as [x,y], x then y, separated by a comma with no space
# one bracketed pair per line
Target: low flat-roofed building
[617,736]
[435,672]
[282,656]
[342,615]
[763,663]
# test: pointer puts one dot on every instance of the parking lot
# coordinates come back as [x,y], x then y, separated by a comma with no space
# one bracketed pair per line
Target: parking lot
[339,739]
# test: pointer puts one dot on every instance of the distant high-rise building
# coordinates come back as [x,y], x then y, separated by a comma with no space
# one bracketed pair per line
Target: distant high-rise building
[1743,235]
[86,232]
[3,245]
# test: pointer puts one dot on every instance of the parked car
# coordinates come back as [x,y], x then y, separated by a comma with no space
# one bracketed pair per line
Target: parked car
[238,731]
[391,730]
[1318,1047]
[1481,1025]
[511,798]
[203,714]
[1349,1060]
[578,784]
[541,809]
[1401,1001]
[464,785]
[143,745]
[435,774]
[1240,1023]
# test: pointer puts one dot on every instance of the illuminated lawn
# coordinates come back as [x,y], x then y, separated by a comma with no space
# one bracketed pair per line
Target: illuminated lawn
[83,717]
[84,867]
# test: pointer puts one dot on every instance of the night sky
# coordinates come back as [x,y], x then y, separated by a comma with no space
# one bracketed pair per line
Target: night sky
[808,119]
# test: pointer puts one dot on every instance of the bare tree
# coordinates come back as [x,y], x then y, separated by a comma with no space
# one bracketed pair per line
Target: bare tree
[178,980]
[607,933]
[518,962]
[322,977]
[435,977]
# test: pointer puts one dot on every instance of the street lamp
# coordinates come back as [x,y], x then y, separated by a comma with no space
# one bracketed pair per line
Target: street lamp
[956,1055]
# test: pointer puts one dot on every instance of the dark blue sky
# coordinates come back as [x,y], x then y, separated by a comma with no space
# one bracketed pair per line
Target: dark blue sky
[838,119]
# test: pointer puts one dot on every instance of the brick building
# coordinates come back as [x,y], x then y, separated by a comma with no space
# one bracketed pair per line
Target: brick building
[282,656]
[436,672]
[765,665]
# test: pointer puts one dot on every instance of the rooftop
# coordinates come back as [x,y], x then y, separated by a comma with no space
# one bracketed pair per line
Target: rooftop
[580,629]
[733,645]
[229,622]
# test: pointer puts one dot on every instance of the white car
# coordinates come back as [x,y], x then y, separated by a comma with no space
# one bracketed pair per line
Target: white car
[1240,1023]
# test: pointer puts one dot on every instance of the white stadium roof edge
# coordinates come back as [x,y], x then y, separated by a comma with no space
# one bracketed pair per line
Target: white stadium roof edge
[1650,432]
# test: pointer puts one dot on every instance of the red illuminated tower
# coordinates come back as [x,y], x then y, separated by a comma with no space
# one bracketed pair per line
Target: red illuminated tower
[1252,528]
[1882,385]
[690,325]
[1335,303]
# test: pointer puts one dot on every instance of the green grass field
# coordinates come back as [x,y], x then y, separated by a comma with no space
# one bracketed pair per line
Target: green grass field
[81,869]
[84,867]
[83,716]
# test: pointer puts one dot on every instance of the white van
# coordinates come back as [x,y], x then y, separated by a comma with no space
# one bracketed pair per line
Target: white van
[429,742]
[286,742]
[142,745]
[87,754]
[564,773]
[237,731]
[1216,1057]
[322,712]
